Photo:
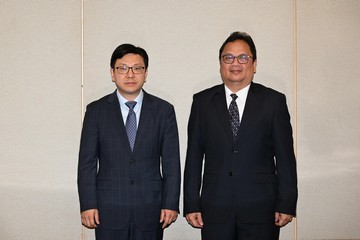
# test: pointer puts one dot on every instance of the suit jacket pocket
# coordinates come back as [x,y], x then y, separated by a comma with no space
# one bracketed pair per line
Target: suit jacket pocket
[104,189]
[155,190]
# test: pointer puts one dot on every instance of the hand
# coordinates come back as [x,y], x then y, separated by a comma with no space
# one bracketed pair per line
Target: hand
[195,219]
[281,219]
[167,217]
[90,218]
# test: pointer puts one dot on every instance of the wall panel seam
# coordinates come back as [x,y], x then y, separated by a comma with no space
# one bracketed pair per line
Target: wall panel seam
[82,81]
[295,93]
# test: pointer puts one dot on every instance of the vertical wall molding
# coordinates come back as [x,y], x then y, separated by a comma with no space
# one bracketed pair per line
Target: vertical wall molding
[82,82]
[295,94]
[82,58]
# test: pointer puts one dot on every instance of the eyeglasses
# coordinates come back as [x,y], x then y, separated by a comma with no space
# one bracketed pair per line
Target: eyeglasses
[123,69]
[229,59]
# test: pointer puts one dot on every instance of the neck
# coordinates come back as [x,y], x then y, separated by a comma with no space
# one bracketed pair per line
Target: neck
[130,96]
[236,86]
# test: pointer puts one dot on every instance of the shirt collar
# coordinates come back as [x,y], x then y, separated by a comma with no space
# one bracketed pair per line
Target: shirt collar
[242,94]
[138,99]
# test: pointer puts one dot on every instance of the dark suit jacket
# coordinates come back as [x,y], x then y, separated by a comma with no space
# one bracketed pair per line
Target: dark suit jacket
[121,183]
[253,176]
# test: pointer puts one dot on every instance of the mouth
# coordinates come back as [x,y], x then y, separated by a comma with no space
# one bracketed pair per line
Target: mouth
[236,70]
[130,83]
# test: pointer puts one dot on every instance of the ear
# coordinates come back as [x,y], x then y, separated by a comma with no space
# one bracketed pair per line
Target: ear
[254,66]
[145,76]
[112,74]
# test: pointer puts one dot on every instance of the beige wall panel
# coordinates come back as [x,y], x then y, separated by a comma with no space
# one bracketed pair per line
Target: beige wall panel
[328,119]
[40,122]
[182,39]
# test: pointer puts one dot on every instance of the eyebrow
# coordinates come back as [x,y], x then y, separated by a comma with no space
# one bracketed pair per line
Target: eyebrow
[235,54]
[135,64]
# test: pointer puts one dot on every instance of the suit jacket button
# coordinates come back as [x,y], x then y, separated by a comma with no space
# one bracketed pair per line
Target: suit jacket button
[230,174]
[235,151]
[132,182]
[132,160]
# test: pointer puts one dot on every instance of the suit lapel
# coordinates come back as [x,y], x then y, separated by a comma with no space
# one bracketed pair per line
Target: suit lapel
[221,106]
[252,106]
[145,116]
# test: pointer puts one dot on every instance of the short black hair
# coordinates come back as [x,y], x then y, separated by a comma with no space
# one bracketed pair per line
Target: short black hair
[127,48]
[240,36]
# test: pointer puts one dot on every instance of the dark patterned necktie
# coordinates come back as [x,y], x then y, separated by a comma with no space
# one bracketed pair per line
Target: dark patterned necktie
[234,115]
[131,123]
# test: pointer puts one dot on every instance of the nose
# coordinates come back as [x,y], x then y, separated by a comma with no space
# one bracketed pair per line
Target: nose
[236,62]
[130,73]
[236,65]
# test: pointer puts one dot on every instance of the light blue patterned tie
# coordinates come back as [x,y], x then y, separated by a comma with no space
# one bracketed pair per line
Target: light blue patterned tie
[234,115]
[131,123]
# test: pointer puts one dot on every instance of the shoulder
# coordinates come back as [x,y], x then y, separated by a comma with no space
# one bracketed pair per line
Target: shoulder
[267,92]
[209,92]
[102,102]
[159,102]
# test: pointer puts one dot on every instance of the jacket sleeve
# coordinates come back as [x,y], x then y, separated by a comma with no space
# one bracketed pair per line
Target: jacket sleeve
[285,160]
[87,165]
[170,160]
[193,165]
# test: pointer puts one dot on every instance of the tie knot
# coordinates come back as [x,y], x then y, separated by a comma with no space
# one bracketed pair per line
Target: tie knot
[130,104]
[234,96]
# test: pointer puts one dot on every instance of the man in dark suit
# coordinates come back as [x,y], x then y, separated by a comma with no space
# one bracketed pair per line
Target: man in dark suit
[129,165]
[242,131]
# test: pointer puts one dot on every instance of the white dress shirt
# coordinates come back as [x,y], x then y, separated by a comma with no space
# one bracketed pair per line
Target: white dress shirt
[125,109]
[240,101]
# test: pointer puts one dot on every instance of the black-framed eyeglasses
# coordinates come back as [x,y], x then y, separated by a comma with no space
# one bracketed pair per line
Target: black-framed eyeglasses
[229,59]
[123,69]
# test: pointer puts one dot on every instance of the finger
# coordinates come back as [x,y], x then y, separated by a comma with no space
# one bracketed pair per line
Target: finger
[164,225]
[97,218]
[277,217]
[167,222]
[83,222]
[189,219]
[164,218]
[200,221]
[279,224]
[280,221]
[195,224]
[196,221]
[284,221]
[162,215]
[173,216]
[90,222]
[170,218]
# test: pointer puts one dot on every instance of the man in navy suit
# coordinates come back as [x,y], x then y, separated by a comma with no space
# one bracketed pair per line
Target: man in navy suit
[129,180]
[242,132]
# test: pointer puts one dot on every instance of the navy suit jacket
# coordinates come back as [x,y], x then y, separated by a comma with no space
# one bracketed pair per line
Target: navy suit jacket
[120,183]
[255,175]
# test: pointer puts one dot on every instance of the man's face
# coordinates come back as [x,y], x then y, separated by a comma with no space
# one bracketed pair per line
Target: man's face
[128,83]
[237,75]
